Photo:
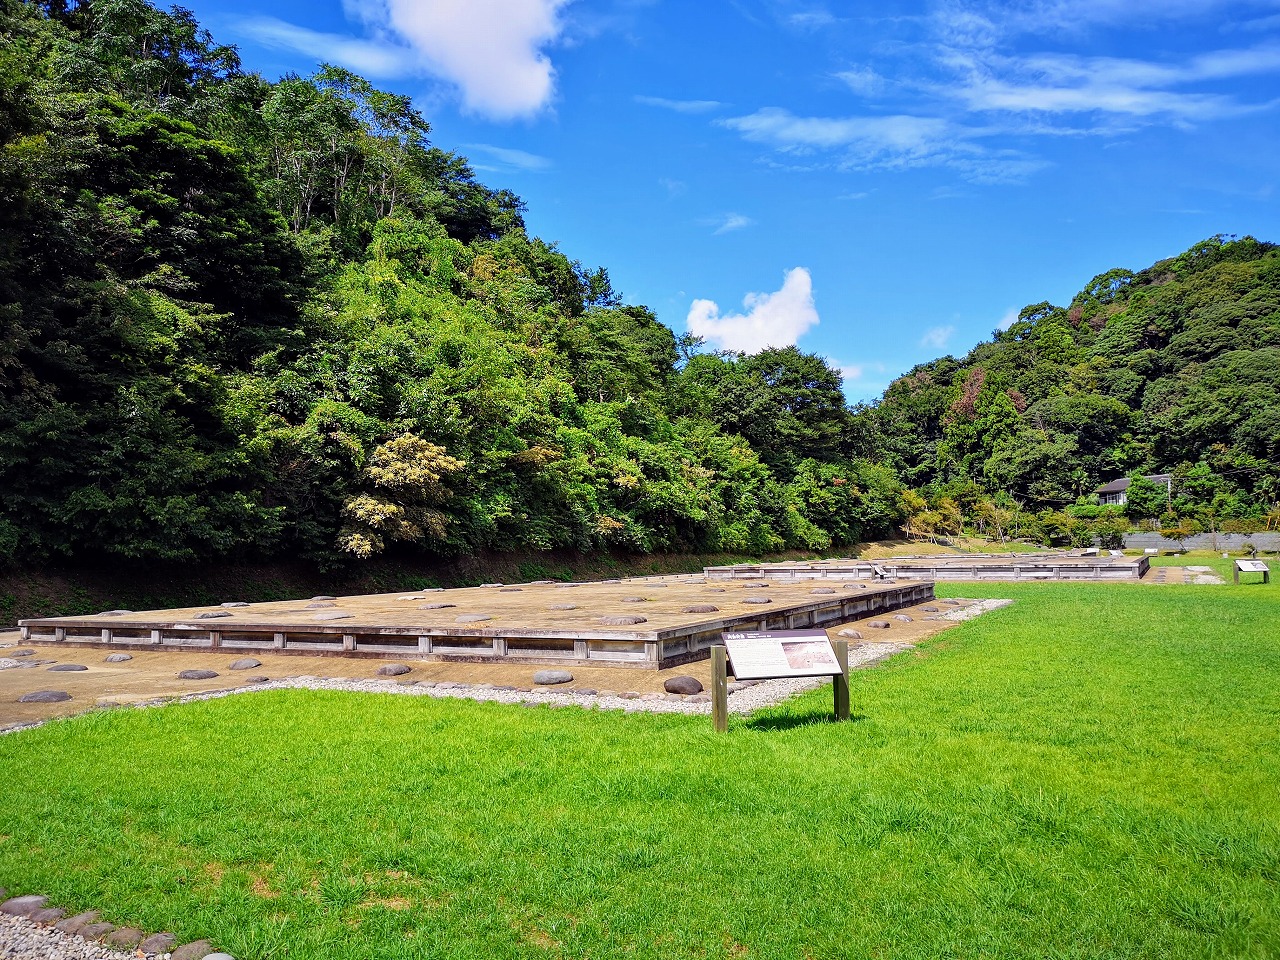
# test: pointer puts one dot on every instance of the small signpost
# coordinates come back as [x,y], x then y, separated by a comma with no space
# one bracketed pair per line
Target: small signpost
[1252,566]
[771,655]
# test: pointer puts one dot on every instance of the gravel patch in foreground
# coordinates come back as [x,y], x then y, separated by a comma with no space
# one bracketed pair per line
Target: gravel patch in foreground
[23,939]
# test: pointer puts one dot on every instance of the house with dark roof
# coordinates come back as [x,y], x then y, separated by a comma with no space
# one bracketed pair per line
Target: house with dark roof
[1115,493]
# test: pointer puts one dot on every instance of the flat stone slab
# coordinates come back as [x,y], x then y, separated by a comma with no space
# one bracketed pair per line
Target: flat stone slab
[393,670]
[24,906]
[45,696]
[197,674]
[213,614]
[879,624]
[245,663]
[66,668]
[195,950]
[74,924]
[158,943]
[850,633]
[117,658]
[623,621]
[551,677]
[701,608]
[125,937]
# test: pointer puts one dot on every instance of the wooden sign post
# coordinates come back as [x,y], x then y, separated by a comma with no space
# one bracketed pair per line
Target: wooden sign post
[776,655]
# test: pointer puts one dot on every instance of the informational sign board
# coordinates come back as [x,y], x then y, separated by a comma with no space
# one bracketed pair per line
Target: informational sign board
[781,653]
[1251,566]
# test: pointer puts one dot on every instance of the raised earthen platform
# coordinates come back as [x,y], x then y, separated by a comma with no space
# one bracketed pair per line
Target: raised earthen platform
[648,622]
[1003,567]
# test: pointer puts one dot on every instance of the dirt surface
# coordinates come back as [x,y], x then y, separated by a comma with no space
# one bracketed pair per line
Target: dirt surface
[152,675]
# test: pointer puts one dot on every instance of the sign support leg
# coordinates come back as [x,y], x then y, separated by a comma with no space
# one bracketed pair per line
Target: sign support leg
[719,688]
[840,682]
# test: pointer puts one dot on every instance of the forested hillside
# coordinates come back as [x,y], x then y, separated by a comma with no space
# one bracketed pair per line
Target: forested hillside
[254,320]
[1175,368]
[250,319]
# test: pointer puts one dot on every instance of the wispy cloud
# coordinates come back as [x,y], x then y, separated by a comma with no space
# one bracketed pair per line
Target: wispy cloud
[887,143]
[815,19]
[783,129]
[1058,17]
[863,80]
[937,338]
[679,106]
[368,57]
[1065,83]
[728,223]
[517,159]
[673,187]
[775,319]
[1009,319]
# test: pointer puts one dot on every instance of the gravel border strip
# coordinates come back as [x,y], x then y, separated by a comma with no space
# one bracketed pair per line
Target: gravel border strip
[23,939]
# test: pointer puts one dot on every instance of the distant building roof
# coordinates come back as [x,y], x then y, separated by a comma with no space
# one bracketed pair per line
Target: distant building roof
[1121,485]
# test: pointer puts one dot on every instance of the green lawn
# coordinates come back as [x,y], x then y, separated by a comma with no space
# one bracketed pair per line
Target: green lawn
[1092,772]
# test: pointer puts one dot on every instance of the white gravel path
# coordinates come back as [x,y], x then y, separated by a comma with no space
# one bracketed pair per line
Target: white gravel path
[23,939]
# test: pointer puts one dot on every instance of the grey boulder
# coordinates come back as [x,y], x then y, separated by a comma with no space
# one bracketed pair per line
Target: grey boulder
[685,685]
[245,663]
[197,674]
[393,670]
[551,677]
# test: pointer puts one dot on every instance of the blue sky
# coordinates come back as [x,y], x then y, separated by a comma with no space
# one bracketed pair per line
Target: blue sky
[878,183]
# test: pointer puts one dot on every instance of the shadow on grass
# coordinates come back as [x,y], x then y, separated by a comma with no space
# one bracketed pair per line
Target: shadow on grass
[791,721]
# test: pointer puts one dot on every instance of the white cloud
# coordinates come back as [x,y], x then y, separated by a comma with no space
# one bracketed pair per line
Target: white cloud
[782,128]
[366,57]
[1055,17]
[850,372]
[813,19]
[730,222]
[937,338]
[492,50]
[1065,83]
[887,143]
[1009,319]
[776,319]
[679,106]
[519,159]
[673,187]
[863,80]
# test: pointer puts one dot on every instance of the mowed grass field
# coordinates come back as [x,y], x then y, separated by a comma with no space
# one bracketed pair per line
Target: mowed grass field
[1093,772]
